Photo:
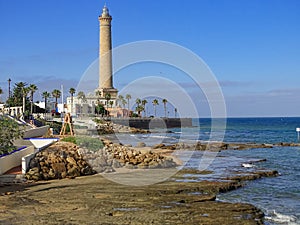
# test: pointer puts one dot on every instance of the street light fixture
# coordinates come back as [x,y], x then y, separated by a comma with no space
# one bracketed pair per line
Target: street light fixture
[9,80]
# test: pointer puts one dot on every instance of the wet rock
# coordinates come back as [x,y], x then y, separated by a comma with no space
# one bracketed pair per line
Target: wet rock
[108,127]
[109,170]
[128,145]
[141,144]
[254,175]
[161,145]
[129,166]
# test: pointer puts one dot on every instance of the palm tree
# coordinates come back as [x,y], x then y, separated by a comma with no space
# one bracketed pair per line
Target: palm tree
[139,109]
[25,91]
[1,92]
[111,103]
[32,88]
[46,95]
[72,92]
[164,101]
[56,94]
[120,99]
[98,94]
[99,106]
[138,101]
[17,94]
[107,98]
[144,102]
[81,96]
[128,97]
[155,103]
[124,102]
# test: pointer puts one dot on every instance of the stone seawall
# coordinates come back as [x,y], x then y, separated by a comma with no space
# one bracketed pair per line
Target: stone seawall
[151,123]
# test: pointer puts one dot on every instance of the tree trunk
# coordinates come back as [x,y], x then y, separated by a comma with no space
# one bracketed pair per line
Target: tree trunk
[71,104]
[31,104]
[23,104]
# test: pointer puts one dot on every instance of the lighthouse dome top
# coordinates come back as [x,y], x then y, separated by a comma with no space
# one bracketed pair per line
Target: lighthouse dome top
[105,12]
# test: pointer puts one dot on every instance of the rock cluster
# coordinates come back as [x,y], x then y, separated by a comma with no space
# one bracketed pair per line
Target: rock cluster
[65,159]
[110,128]
[105,128]
[115,155]
[254,175]
[58,161]
[197,146]
[101,161]
[217,146]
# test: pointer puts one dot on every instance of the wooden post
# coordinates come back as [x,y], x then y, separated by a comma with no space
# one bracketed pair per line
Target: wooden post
[67,122]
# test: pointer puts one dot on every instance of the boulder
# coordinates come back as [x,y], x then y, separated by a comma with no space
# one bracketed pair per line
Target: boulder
[73,172]
[58,168]
[71,160]
[140,144]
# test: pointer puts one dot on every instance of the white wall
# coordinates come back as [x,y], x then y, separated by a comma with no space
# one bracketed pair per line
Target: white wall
[15,159]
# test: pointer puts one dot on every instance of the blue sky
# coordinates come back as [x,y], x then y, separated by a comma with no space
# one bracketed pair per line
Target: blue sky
[252,47]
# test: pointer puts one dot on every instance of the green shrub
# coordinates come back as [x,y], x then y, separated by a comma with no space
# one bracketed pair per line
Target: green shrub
[53,124]
[70,139]
[9,131]
[93,144]
[98,121]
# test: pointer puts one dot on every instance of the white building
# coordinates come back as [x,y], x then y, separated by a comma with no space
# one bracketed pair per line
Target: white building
[86,105]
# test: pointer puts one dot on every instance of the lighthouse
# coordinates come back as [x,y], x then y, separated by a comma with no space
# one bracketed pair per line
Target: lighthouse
[105,55]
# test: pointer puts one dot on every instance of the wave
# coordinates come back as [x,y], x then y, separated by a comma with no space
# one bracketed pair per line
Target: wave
[158,136]
[282,218]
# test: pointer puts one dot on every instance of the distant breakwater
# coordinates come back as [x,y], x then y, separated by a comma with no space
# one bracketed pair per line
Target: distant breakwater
[154,123]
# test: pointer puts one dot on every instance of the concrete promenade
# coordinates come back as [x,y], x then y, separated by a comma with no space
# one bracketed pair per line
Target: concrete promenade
[151,123]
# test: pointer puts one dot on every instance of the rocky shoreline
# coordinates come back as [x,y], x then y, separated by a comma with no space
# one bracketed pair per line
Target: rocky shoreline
[94,198]
[219,146]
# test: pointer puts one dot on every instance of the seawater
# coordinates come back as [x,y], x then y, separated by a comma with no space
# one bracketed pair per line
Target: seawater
[278,197]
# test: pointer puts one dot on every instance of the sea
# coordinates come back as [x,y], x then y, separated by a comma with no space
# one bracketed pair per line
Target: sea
[278,197]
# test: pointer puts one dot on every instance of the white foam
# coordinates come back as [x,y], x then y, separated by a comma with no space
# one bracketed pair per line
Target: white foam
[158,136]
[247,165]
[282,219]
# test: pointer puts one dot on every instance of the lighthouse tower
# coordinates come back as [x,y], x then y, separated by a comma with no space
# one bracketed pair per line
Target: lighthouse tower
[105,56]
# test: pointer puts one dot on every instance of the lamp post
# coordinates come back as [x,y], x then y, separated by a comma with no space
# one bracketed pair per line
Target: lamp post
[9,80]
